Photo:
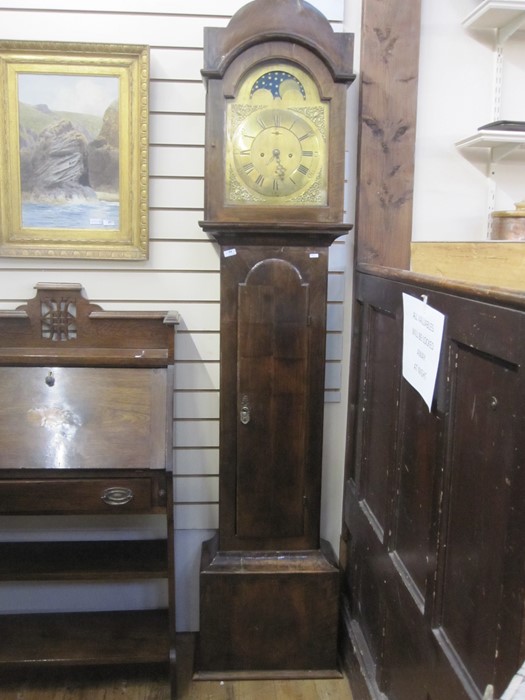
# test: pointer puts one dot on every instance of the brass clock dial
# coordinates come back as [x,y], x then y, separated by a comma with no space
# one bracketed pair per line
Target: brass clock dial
[276,150]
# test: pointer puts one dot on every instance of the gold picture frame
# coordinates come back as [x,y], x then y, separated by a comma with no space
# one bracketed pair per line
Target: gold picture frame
[74,150]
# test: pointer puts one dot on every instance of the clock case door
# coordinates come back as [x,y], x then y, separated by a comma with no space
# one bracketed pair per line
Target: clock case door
[273,301]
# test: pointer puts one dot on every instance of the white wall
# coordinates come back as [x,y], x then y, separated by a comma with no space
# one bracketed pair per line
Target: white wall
[452,195]
[181,274]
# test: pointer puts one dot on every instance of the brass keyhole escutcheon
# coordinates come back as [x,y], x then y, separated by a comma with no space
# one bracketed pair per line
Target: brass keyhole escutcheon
[245,411]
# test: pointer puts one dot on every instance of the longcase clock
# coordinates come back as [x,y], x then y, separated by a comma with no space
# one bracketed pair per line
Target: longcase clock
[276,93]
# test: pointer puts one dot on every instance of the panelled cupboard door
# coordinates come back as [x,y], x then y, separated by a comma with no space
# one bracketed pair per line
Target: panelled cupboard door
[273,363]
[435,513]
[478,609]
[368,491]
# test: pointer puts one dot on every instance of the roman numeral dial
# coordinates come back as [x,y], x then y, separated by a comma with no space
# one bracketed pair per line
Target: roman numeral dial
[279,154]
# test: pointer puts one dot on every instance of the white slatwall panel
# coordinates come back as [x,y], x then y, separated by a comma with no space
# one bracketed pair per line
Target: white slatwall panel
[182,270]
[165,255]
[175,223]
[196,462]
[176,161]
[333,9]
[177,129]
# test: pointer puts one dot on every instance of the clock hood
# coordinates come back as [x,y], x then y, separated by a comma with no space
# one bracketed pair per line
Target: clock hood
[296,21]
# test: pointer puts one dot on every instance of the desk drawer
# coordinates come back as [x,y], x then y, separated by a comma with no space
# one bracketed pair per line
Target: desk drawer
[97,495]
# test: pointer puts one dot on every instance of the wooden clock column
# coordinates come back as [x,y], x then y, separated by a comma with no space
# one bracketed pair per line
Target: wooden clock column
[269,586]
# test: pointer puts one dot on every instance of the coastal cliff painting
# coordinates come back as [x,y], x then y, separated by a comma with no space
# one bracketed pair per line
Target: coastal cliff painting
[69,151]
[74,155]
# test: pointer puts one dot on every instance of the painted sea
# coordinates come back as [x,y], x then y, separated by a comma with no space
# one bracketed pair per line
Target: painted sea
[84,215]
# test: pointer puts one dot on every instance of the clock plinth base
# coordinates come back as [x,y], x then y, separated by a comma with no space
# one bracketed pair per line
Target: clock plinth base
[268,614]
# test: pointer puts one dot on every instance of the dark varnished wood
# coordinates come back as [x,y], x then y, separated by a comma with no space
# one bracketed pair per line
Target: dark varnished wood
[435,549]
[492,295]
[78,639]
[83,561]
[269,587]
[87,430]
[77,491]
[115,338]
[273,314]
[297,22]
[269,614]
[83,417]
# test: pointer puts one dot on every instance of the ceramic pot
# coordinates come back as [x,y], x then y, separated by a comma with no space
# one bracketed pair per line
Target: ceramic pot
[509,225]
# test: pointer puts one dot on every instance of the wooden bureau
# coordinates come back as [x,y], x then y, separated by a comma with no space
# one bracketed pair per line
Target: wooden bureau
[86,419]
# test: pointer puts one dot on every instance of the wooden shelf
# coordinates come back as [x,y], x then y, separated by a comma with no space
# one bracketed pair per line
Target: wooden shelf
[100,638]
[83,561]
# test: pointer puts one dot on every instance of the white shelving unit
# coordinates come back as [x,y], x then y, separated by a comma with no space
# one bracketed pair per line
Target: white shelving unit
[499,264]
[501,143]
[506,17]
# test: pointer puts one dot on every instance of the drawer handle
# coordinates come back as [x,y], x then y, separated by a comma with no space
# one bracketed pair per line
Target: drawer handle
[117,496]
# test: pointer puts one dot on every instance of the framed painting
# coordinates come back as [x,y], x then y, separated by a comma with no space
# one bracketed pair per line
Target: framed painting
[74,150]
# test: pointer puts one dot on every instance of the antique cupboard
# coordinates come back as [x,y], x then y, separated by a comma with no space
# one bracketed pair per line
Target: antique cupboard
[433,543]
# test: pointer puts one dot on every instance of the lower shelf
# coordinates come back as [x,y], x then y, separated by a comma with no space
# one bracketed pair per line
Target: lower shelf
[100,638]
[82,561]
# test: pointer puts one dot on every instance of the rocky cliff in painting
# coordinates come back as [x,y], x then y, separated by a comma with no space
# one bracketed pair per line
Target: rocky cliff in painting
[103,154]
[56,168]
[64,162]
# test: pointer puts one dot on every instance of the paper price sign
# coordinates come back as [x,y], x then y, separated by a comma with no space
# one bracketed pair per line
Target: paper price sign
[422,338]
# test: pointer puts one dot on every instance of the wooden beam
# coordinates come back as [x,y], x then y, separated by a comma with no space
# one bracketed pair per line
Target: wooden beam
[388,105]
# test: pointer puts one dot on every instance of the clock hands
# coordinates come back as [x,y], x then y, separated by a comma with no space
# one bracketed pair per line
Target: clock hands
[280,170]
[275,154]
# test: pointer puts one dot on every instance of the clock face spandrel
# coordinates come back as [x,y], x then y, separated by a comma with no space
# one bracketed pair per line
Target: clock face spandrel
[276,145]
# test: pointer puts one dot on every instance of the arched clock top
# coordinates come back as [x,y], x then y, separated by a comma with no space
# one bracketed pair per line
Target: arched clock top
[295,21]
[275,117]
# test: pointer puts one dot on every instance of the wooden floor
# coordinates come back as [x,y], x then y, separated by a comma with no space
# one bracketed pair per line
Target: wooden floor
[150,684]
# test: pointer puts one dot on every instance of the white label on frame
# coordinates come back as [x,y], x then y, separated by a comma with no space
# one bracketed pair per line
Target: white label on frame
[228,253]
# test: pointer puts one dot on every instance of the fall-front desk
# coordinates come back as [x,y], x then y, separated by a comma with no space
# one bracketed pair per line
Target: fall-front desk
[86,429]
